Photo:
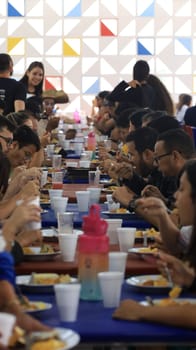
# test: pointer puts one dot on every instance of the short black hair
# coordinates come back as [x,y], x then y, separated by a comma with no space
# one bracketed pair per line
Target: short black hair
[5,61]
[164,123]
[143,138]
[122,119]
[26,136]
[5,123]
[178,140]
[137,117]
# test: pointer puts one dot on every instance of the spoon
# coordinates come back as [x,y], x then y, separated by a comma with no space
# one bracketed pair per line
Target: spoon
[169,277]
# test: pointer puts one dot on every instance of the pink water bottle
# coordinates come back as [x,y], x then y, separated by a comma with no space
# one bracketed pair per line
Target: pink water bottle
[76,116]
[93,247]
[91,142]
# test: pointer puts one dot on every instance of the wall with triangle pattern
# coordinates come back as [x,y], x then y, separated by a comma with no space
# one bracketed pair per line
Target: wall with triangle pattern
[90,45]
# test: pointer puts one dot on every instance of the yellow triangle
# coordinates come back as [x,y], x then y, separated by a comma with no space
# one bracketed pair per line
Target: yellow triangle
[12,42]
[68,51]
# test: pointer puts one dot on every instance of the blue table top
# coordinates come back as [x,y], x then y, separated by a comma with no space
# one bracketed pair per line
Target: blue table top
[129,220]
[95,324]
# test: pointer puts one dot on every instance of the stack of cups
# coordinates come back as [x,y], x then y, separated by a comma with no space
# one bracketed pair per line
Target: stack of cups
[113,225]
[111,285]
[67,299]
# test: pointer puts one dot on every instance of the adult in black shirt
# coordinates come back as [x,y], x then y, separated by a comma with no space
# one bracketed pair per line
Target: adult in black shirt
[12,92]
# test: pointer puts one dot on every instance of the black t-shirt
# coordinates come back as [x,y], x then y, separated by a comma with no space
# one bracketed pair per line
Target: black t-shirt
[10,91]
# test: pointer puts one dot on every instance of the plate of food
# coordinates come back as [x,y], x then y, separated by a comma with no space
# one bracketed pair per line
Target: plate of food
[42,282]
[43,253]
[35,307]
[149,283]
[53,233]
[119,213]
[59,338]
[144,251]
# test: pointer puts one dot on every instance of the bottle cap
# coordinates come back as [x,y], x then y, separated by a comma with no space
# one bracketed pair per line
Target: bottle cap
[93,225]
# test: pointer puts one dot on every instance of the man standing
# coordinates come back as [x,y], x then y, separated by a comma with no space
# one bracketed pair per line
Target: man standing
[12,92]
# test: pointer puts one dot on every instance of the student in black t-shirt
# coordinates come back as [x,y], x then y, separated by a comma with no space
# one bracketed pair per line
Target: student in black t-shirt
[12,92]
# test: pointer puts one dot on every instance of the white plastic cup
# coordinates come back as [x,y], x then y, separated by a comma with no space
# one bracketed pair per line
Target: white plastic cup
[126,238]
[78,147]
[68,243]
[91,177]
[94,195]
[44,177]
[59,204]
[113,225]
[83,198]
[34,225]
[66,145]
[117,261]
[57,180]
[67,299]
[56,161]
[65,222]
[50,150]
[54,193]
[7,322]
[111,285]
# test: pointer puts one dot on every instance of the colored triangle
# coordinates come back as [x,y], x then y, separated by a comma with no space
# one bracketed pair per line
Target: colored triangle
[93,89]
[76,11]
[149,12]
[186,42]
[105,30]
[48,85]
[12,12]
[141,50]
[68,51]
[12,42]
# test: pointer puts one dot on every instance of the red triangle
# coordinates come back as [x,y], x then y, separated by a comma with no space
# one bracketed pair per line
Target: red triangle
[105,31]
[48,85]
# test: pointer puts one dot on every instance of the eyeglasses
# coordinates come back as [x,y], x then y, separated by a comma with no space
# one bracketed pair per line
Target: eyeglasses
[8,140]
[157,158]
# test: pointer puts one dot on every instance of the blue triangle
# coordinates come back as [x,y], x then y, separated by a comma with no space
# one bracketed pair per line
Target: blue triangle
[141,50]
[149,12]
[186,42]
[93,89]
[12,12]
[75,12]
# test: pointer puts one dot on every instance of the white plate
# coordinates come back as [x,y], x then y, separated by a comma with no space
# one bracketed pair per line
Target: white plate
[23,282]
[68,336]
[34,312]
[136,282]
[41,256]
[53,233]
[178,300]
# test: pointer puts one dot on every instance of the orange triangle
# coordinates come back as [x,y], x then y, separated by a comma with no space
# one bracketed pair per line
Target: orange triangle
[105,31]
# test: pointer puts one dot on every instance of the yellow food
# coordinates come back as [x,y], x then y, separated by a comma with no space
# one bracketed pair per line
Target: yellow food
[151,232]
[119,210]
[53,278]
[45,249]
[30,306]
[18,336]
[50,344]
[148,250]
[159,282]
[175,292]
[172,302]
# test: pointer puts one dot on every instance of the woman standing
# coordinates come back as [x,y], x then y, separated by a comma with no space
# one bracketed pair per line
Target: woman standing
[33,79]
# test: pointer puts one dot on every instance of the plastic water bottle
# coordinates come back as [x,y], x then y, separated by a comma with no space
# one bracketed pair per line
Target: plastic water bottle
[76,116]
[91,141]
[93,247]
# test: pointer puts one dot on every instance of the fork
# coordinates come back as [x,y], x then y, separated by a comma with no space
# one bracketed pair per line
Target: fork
[169,277]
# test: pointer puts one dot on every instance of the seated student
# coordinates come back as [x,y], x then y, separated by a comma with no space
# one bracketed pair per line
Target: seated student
[25,143]
[143,170]
[176,240]
[97,103]
[183,274]
[183,104]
